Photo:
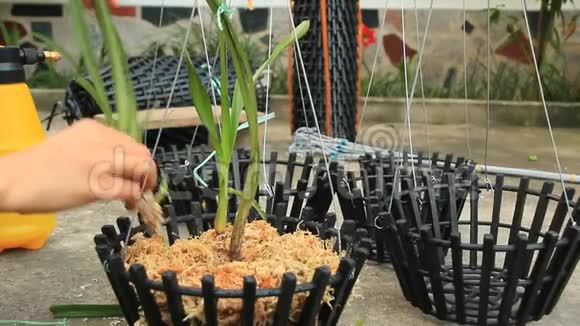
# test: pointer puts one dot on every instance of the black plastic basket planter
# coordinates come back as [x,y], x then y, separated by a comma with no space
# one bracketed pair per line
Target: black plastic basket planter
[499,266]
[364,195]
[135,291]
[290,184]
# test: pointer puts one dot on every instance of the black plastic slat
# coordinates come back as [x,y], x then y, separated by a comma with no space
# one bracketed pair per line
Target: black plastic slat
[314,301]
[514,272]
[497,198]
[457,261]
[174,303]
[209,300]
[249,301]
[284,305]
[486,269]
[150,308]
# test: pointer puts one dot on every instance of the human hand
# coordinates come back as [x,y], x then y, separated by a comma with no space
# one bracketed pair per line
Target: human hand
[79,165]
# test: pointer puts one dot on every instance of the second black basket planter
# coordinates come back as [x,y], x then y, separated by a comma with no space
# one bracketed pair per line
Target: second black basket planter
[365,195]
[491,271]
[136,292]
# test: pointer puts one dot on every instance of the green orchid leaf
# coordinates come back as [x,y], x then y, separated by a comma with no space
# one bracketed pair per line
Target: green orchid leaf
[255,204]
[83,40]
[301,30]
[202,103]
[85,311]
[124,90]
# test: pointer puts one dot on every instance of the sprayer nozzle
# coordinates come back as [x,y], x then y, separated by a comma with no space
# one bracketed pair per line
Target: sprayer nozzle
[52,56]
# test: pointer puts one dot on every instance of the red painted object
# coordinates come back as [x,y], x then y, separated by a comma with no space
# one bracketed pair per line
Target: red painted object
[116,10]
[516,48]
[368,35]
[393,46]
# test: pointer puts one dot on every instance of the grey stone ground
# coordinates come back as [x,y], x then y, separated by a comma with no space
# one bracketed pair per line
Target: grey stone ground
[67,270]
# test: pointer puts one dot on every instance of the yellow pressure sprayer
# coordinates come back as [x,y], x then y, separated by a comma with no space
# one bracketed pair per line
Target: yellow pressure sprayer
[20,127]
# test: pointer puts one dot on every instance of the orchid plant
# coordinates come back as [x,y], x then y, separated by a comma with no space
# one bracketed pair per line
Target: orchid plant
[222,139]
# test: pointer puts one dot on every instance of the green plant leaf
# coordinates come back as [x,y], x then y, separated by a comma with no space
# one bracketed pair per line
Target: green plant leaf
[301,30]
[255,204]
[163,189]
[124,91]
[245,82]
[237,101]
[202,104]
[10,36]
[228,134]
[85,311]
[89,60]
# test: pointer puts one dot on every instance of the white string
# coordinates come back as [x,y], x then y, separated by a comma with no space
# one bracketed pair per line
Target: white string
[415,78]
[176,78]
[408,106]
[540,86]
[465,81]
[324,155]
[209,67]
[426,119]
[488,111]
[302,99]
[371,79]
[155,54]
[210,74]
[266,185]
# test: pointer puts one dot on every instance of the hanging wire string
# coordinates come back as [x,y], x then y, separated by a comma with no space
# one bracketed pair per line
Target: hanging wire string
[324,154]
[209,67]
[302,100]
[407,104]
[154,68]
[425,115]
[542,95]
[213,82]
[171,93]
[488,109]
[176,78]
[371,78]
[465,81]
[413,86]
[266,185]
[210,73]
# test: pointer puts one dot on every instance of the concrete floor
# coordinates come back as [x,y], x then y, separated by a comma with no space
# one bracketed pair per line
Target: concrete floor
[67,271]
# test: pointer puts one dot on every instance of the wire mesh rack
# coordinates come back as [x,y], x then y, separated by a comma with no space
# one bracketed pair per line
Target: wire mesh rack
[154,90]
